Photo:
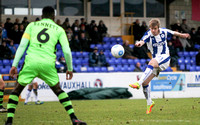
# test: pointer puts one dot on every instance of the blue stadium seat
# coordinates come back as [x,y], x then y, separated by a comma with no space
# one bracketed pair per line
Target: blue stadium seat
[85,54]
[111,61]
[73,54]
[192,53]
[130,61]
[16,45]
[118,61]
[124,61]
[78,54]
[90,69]
[113,40]
[196,46]
[6,78]
[6,62]
[188,67]
[104,69]
[193,68]
[186,54]
[92,46]
[5,71]
[77,69]
[131,68]
[197,68]
[1,63]
[143,61]
[182,67]
[181,61]
[187,61]
[136,60]
[106,47]
[193,61]
[180,54]
[85,62]
[119,40]
[97,69]
[106,39]
[99,46]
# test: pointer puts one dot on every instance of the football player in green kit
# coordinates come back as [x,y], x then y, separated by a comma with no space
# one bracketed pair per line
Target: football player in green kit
[42,37]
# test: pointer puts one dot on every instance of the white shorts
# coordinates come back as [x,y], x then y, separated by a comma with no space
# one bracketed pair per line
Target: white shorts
[163,62]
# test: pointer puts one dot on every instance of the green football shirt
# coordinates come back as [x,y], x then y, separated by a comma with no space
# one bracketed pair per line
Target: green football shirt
[43,36]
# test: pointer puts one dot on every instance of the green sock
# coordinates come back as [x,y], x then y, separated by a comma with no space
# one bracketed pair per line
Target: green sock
[64,100]
[12,104]
[1,98]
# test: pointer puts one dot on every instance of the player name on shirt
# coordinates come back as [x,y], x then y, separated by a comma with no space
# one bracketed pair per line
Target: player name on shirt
[44,24]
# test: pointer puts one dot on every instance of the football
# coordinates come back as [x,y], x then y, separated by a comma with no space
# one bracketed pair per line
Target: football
[117,51]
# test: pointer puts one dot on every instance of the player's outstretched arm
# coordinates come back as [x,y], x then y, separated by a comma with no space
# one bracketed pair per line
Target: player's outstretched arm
[139,44]
[182,35]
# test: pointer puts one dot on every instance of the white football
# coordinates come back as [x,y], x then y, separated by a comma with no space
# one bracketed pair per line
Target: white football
[117,51]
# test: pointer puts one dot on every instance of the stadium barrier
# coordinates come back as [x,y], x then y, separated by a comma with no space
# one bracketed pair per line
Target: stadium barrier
[168,84]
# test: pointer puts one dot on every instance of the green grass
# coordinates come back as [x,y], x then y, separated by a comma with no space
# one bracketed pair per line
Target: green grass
[111,112]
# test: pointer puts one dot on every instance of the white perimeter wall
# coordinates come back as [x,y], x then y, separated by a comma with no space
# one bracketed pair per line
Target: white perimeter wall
[167,81]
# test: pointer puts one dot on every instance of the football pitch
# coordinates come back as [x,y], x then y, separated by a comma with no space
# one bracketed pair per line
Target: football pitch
[184,111]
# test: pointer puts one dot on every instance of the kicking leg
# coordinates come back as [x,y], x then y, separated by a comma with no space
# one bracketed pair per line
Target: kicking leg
[12,103]
[64,100]
[152,64]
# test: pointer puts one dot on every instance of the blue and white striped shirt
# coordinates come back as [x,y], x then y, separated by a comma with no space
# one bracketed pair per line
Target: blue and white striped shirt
[157,44]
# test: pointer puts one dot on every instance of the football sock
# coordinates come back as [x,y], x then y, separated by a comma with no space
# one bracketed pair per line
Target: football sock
[28,94]
[64,100]
[146,74]
[1,97]
[146,91]
[12,104]
[36,94]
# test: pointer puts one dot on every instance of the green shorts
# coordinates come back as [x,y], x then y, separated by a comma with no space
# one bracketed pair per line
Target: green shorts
[45,71]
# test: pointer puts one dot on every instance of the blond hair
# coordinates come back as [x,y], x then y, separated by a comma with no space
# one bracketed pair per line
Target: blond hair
[154,22]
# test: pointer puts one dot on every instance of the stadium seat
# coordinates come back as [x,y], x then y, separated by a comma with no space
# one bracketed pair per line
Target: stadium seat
[78,54]
[182,67]
[77,69]
[196,46]
[113,40]
[197,68]
[92,46]
[104,69]
[193,68]
[106,39]
[181,61]
[99,46]
[187,61]
[186,54]
[5,71]
[1,63]
[188,67]
[111,69]
[118,61]
[131,68]
[130,61]
[16,45]
[73,54]
[97,69]
[85,54]
[106,47]
[124,61]
[119,40]
[90,69]
[192,53]
[143,61]
[6,62]
[180,54]
[6,78]
[85,62]
[111,61]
